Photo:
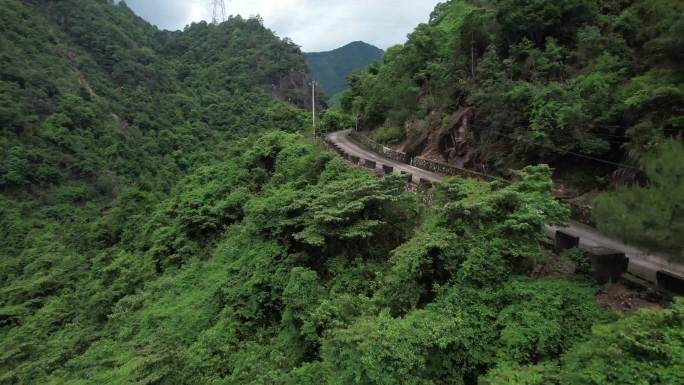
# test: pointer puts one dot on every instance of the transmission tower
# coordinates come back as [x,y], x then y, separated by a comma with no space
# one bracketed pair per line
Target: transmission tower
[219,14]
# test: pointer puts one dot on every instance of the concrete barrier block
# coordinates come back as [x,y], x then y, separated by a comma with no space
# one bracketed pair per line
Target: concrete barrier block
[607,264]
[565,240]
[671,282]
[387,169]
[370,164]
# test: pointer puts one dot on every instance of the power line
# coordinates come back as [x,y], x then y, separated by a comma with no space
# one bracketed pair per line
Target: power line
[573,153]
[664,130]
[609,127]
[609,135]
[589,157]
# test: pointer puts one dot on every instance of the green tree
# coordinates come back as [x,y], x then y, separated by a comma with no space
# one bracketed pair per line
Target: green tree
[650,214]
[645,347]
[335,120]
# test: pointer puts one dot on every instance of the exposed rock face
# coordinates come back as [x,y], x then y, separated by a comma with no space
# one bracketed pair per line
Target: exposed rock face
[294,88]
[459,130]
[416,139]
[451,142]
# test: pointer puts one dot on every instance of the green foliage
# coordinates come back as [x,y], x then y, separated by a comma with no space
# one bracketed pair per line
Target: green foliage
[389,135]
[284,117]
[548,80]
[377,351]
[542,374]
[537,20]
[650,214]
[580,258]
[504,222]
[463,331]
[151,232]
[109,97]
[335,120]
[645,347]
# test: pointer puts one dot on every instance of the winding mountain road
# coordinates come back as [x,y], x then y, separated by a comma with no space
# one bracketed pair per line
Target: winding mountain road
[342,139]
[644,264]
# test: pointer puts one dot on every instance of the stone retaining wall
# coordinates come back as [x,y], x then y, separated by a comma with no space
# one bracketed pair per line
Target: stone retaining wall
[445,169]
[395,155]
[581,214]
[421,163]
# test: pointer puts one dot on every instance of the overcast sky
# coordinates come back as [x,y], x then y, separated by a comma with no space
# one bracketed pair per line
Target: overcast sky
[316,25]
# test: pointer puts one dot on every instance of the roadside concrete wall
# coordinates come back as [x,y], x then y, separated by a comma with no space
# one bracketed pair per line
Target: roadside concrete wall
[379,148]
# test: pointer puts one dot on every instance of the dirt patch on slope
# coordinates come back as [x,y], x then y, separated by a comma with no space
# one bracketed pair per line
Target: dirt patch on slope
[621,298]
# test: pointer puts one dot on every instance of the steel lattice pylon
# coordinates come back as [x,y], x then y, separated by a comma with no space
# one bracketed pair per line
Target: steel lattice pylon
[219,11]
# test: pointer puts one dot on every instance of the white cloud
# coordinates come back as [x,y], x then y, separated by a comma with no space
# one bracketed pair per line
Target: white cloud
[316,25]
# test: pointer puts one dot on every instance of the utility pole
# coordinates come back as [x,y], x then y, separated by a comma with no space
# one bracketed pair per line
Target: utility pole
[313,106]
[472,55]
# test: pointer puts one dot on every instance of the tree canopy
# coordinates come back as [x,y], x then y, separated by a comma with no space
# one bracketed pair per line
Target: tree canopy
[547,78]
[164,221]
[591,87]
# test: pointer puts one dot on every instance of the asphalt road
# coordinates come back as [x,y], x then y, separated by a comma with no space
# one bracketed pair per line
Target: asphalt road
[642,263]
[341,138]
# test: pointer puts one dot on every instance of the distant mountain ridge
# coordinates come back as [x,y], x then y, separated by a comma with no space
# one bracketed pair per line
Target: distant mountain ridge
[331,68]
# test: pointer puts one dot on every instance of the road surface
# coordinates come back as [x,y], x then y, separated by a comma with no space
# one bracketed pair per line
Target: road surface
[341,138]
[644,264]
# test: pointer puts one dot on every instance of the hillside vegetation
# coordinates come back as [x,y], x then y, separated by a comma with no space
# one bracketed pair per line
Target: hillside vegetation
[163,221]
[331,68]
[593,87]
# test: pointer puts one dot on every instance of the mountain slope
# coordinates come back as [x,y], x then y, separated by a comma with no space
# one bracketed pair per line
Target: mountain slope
[101,115]
[331,68]
[82,76]
[162,222]
[594,88]
[533,82]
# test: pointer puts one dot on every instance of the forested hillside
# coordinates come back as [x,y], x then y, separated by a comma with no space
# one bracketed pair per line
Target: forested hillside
[163,221]
[91,92]
[593,87]
[331,68]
